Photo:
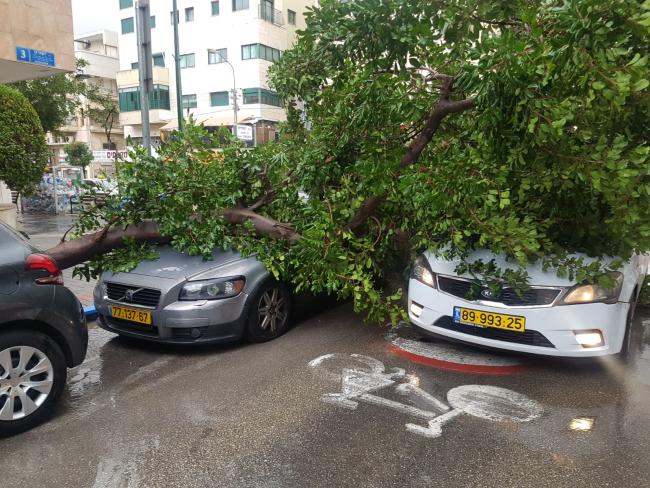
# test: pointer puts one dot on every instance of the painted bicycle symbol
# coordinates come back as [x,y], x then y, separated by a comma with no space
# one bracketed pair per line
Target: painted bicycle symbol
[362,383]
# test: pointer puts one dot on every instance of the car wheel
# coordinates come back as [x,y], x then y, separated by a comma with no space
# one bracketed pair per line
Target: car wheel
[32,377]
[269,312]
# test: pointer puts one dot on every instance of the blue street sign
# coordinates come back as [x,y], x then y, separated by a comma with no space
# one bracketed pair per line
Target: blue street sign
[35,56]
[22,54]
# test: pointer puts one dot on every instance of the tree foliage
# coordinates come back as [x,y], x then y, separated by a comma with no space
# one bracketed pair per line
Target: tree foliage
[78,154]
[23,152]
[516,126]
[55,98]
[103,109]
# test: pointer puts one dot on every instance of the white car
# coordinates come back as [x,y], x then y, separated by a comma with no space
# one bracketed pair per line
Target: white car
[554,317]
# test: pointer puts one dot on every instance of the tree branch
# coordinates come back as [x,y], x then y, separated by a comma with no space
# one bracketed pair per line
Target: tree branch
[414,151]
[77,251]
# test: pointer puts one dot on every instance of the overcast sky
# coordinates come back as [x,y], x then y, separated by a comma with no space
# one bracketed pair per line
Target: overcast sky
[94,15]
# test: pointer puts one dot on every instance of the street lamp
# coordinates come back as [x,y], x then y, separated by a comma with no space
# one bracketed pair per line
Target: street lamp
[234,86]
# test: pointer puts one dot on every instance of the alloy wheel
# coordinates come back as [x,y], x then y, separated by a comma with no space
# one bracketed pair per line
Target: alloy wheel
[26,379]
[272,311]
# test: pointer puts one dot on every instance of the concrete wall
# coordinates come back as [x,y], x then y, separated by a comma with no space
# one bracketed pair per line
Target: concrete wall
[8,214]
[45,25]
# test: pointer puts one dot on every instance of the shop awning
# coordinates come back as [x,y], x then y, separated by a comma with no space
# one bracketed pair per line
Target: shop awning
[210,120]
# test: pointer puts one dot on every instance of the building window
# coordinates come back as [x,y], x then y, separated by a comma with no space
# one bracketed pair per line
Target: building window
[129,98]
[216,56]
[126,4]
[215,7]
[171,17]
[134,65]
[186,60]
[261,95]
[127,25]
[291,17]
[159,98]
[239,5]
[159,59]
[152,21]
[260,51]
[219,99]
[189,101]
[189,14]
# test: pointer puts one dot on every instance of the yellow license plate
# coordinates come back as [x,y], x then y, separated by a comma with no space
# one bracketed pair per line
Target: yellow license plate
[514,323]
[131,314]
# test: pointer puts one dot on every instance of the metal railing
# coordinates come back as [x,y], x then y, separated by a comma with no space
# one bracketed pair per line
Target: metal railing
[269,14]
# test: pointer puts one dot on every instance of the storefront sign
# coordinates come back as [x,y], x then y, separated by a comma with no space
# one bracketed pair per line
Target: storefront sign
[108,156]
[245,132]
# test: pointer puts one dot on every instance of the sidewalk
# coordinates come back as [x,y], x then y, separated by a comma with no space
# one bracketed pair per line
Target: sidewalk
[45,231]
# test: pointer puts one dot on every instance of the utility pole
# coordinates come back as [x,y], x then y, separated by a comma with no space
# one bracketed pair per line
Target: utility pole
[177,64]
[145,68]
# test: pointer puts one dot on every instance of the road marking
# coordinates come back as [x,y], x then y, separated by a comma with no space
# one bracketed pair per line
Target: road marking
[363,384]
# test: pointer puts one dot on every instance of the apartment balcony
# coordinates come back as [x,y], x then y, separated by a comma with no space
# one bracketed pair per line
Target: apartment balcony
[269,14]
[129,97]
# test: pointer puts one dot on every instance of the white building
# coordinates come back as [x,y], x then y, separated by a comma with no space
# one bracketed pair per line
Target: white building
[100,51]
[248,34]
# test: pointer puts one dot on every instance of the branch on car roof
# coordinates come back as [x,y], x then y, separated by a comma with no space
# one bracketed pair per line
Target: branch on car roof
[263,225]
[74,252]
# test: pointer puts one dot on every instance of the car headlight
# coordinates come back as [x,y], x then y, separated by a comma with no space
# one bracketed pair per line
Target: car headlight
[212,289]
[422,272]
[594,292]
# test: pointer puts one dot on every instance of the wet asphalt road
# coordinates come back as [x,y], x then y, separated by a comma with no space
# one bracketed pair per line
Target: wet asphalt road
[141,415]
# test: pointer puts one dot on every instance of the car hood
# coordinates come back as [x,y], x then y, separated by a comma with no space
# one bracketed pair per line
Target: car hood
[537,276]
[173,264]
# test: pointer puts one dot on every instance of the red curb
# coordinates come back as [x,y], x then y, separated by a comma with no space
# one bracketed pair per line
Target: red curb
[462,368]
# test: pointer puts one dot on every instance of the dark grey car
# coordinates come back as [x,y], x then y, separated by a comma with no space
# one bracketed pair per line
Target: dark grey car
[42,333]
[185,299]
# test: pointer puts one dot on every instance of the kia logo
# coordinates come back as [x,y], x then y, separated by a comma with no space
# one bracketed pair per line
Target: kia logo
[487,293]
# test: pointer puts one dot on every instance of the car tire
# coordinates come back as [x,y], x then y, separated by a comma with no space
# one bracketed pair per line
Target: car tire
[42,356]
[269,313]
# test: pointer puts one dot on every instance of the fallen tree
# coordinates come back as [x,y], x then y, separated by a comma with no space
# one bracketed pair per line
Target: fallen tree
[516,126]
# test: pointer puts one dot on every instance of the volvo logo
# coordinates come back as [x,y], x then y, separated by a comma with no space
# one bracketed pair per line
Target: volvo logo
[128,295]
[487,293]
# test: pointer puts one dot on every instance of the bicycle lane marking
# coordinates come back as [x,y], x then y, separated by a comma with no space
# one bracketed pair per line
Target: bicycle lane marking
[481,401]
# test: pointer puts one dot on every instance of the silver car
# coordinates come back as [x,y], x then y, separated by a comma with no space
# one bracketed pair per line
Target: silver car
[185,299]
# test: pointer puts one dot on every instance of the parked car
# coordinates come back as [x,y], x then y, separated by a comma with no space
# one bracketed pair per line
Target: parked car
[42,333]
[186,299]
[101,186]
[554,317]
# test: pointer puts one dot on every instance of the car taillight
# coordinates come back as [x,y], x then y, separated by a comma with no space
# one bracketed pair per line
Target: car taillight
[43,262]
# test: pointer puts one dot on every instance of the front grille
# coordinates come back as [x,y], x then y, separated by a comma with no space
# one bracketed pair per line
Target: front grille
[507,296]
[141,296]
[528,337]
[127,326]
